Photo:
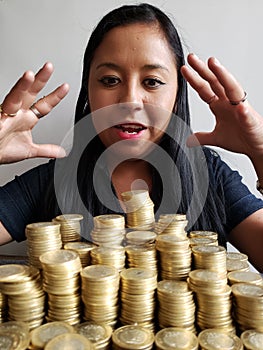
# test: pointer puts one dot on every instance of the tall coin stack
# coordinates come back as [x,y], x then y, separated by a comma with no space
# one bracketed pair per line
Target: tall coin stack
[100,291]
[133,337]
[213,339]
[83,249]
[138,288]
[112,256]
[70,228]
[213,299]
[61,277]
[248,306]
[171,224]
[108,230]
[139,209]
[26,298]
[142,256]
[175,256]
[174,338]
[176,305]
[42,237]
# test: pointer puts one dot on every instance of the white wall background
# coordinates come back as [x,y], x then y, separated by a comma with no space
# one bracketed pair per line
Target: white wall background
[35,31]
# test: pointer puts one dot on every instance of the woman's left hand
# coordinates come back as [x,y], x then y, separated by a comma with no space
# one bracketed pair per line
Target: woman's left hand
[239,128]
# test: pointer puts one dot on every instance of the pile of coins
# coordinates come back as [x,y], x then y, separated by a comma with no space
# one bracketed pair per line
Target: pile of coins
[142,256]
[108,230]
[132,337]
[176,305]
[174,224]
[42,237]
[83,249]
[175,256]
[139,209]
[112,256]
[175,338]
[61,282]
[138,297]
[100,290]
[98,334]
[70,229]
[23,287]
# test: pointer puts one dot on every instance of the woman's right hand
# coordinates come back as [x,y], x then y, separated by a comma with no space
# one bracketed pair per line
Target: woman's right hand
[17,119]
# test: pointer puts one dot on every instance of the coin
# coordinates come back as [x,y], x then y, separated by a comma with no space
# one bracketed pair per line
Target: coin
[210,339]
[69,341]
[252,339]
[132,337]
[175,338]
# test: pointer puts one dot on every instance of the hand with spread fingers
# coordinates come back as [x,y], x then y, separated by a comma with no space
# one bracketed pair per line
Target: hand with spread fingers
[19,113]
[238,128]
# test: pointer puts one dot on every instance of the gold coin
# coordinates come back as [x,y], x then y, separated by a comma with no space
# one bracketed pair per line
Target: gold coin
[133,337]
[175,338]
[69,341]
[11,272]
[245,276]
[95,332]
[210,339]
[19,328]
[252,339]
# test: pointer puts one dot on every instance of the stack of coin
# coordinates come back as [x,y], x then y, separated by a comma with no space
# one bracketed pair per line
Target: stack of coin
[14,335]
[69,227]
[204,234]
[139,209]
[100,290]
[140,237]
[194,241]
[142,256]
[138,288]
[112,256]
[202,280]
[109,230]
[245,277]
[252,339]
[171,224]
[61,274]
[132,337]
[209,257]
[83,249]
[40,336]
[42,237]
[214,339]
[26,299]
[174,255]
[176,305]
[174,338]
[69,341]
[3,307]
[99,334]
[248,306]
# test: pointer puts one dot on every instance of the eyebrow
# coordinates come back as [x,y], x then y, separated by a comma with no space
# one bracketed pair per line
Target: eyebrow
[146,66]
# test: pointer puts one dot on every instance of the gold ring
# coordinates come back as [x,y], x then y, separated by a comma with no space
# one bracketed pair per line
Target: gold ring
[36,111]
[6,114]
[243,99]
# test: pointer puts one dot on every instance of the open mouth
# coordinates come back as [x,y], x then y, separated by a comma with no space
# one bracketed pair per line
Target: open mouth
[131,129]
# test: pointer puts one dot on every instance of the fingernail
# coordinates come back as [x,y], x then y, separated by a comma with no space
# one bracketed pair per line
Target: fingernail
[217,62]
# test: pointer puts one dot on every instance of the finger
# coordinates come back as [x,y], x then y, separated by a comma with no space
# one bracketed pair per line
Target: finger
[47,103]
[14,99]
[204,71]
[47,151]
[233,89]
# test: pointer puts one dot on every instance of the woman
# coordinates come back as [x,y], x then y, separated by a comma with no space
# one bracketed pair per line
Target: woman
[137,136]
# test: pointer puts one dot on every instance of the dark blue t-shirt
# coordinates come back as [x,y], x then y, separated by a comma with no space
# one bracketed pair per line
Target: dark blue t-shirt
[22,199]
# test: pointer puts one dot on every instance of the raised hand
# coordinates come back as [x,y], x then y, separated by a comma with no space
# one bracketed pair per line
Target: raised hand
[20,113]
[238,128]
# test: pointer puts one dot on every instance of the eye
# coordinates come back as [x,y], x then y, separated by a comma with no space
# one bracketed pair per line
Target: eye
[153,83]
[110,81]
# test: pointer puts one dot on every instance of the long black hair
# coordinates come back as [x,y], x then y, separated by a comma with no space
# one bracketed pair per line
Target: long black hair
[196,196]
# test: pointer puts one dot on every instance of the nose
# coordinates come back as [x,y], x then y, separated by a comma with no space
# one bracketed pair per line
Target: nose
[131,97]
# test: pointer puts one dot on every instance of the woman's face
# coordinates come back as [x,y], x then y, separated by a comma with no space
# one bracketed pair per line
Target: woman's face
[132,88]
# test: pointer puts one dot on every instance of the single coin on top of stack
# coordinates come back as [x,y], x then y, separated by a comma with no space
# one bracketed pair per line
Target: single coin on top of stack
[108,230]
[112,256]
[83,249]
[132,337]
[175,338]
[26,298]
[214,339]
[237,265]
[42,237]
[245,277]
[252,339]
[70,228]
[100,294]
[40,336]
[140,237]
[176,305]
[142,256]
[139,209]
[175,256]
[61,274]
[236,256]
[69,341]
[196,241]
[209,257]
[171,224]
[248,306]
[204,234]
[14,335]
[99,334]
